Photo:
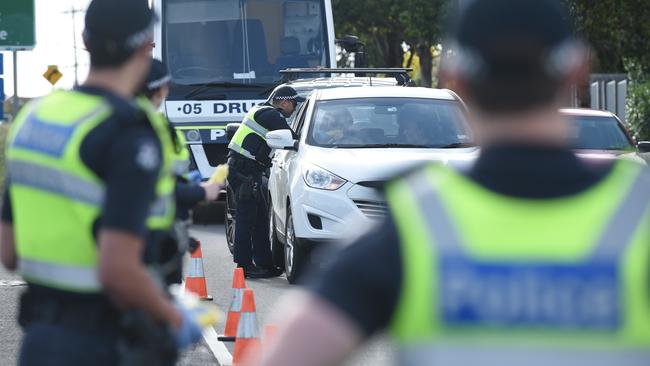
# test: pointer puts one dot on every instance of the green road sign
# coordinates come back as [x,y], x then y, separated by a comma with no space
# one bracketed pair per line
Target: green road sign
[17,25]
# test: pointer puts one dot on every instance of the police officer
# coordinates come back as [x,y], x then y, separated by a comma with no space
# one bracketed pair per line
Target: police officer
[531,257]
[186,193]
[88,179]
[249,157]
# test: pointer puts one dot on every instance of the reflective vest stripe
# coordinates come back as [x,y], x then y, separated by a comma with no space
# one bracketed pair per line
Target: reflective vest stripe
[617,234]
[50,138]
[627,218]
[256,127]
[441,354]
[240,150]
[248,126]
[439,222]
[161,206]
[67,276]
[181,167]
[56,182]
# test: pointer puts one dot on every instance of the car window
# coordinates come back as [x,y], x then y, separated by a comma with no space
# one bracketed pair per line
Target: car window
[389,122]
[301,118]
[599,133]
[293,120]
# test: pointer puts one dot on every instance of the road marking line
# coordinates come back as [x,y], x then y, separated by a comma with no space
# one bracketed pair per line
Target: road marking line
[218,349]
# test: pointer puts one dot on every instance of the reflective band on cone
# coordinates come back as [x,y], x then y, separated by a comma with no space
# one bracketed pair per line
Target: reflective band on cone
[232,321]
[195,279]
[247,344]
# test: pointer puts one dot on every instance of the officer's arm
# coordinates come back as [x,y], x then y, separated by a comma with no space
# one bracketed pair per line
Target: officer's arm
[132,167]
[8,254]
[126,279]
[273,121]
[315,334]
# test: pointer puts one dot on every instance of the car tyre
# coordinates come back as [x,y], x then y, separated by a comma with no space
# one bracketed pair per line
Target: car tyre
[277,249]
[229,216]
[295,255]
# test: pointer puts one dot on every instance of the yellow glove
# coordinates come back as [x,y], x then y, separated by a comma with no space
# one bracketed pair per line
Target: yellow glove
[220,174]
[205,315]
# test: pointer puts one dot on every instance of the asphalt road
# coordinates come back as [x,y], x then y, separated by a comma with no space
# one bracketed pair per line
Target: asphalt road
[219,268]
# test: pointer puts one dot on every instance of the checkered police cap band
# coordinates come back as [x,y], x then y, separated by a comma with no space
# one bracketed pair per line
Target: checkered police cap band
[286,97]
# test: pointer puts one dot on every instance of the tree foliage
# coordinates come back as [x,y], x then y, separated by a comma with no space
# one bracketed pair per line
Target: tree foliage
[385,25]
[618,31]
[638,101]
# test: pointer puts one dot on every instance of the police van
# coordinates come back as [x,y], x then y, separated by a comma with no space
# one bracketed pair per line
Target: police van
[224,57]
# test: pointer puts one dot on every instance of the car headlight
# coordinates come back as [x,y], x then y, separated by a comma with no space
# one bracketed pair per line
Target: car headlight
[319,178]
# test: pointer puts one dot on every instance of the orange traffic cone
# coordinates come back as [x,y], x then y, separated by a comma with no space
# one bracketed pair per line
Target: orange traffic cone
[270,331]
[195,279]
[247,342]
[238,286]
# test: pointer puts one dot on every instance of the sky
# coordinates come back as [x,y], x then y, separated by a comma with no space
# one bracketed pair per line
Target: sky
[54,46]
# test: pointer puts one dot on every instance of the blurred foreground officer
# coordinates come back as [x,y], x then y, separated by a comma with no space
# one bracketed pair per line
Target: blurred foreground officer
[529,258]
[249,157]
[187,194]
[84,167]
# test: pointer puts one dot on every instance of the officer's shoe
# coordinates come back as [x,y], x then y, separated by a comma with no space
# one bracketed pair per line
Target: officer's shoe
[275,271]
[253,271]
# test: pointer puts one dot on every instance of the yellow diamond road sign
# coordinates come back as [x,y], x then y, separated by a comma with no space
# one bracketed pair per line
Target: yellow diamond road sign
[53,74]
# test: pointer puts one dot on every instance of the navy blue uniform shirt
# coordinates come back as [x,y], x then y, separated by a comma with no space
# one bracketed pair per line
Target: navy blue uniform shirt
[364,280]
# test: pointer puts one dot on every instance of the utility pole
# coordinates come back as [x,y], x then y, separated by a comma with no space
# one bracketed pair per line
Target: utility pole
[16,102]
[73,12]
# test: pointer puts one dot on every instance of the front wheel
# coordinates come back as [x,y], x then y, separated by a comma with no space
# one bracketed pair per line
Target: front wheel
[229,214]
[295,255]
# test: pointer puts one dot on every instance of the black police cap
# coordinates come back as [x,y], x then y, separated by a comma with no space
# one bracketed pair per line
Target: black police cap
[157,77]
[286,92]
[123,25]
[515,37]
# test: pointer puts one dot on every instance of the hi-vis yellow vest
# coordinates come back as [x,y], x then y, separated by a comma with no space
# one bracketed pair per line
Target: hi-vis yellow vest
[490,279]
[247,127]
[161,215]
[55,197]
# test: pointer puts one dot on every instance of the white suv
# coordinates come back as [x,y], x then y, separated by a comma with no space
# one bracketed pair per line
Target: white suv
[352,141]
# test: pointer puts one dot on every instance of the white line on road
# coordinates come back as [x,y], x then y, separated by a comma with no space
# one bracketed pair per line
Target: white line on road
[217,347]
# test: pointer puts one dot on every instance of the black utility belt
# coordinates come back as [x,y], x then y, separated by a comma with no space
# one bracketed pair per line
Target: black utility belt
[90,315]
[245,164]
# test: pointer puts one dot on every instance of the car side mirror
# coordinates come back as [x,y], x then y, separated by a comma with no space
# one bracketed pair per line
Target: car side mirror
[644,146]
[281,140]
[231,128]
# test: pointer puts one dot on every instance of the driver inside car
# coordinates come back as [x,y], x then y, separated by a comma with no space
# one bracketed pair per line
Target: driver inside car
[336,127]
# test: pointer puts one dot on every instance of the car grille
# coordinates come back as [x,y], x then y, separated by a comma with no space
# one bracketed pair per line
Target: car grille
[373,209]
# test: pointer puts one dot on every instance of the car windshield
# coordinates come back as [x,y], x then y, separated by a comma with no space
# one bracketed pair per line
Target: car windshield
[389,123]
[242,41]
[599,133]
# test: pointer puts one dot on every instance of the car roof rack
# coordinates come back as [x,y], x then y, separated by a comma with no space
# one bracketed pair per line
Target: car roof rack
[401,75]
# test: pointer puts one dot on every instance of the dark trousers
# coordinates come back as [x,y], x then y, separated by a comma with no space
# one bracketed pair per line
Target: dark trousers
[57,345]
[251,217]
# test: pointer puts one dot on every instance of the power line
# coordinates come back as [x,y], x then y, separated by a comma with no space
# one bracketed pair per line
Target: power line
[73,12]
